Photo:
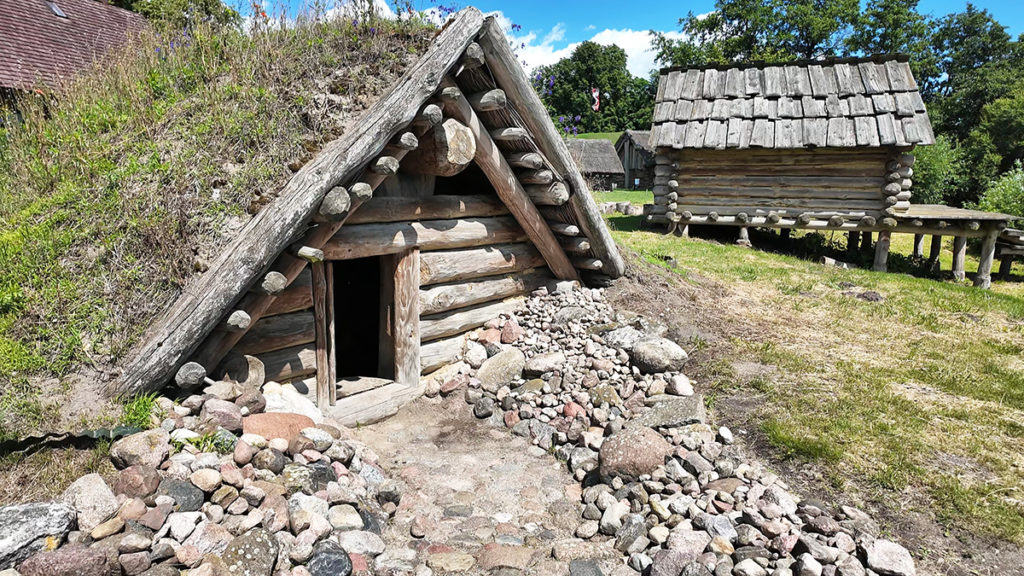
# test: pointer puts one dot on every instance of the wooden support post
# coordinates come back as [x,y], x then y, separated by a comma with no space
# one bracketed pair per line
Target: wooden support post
[865,242]
[684,231]
[744,237]
[934,252]
[1005,266]
[852,242]
[332,352]
[498,172]
[406,323]
[882,252]
[988,252]
[784,233]
[323,376]
[918,245]
[959,256]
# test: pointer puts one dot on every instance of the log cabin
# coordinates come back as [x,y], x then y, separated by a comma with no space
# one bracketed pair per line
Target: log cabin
[450,196]
[637,157]
[819,144]
[598,162]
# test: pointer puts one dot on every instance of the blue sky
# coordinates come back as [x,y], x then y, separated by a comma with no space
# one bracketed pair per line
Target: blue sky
[552,28]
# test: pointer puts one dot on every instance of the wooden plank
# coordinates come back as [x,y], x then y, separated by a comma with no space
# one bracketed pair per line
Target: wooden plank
[350,386]
[435,354]
[465,264]
[362,240]
[332,358]
[707,204]
[374,405]
[886,133]
[276,332]
[500,175]
[752,81]
[843,84]
[739,182]
[297,296]
[182,328]
[289,363]
[508,73]
[406,323]
[798,81]
[463,320]
[692,85]
[442,207]
[712,89]
[446,297]
[866,129]
[815,130]
[324,383]
[734,87]
[774,82]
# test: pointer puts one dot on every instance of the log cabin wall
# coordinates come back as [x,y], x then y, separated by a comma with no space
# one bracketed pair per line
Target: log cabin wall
[474,261]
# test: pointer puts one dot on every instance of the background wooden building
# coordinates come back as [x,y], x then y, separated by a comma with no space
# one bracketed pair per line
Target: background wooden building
[637,157]
[598,162]
[451,195]
[817,139]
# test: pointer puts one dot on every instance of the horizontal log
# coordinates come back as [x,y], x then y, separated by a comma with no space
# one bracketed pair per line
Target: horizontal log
[531,160]
[768,170]
[444,297]
[696,211]
[297,296]
[463,320]
[387,165]
[307,253]
[564,229]
[823,225]
[453,265]
[278,332]
[446,150]
[554,194]
[576,245]
[536,177]
[289,363]
[406,141]
[378,210]
[772,203]
[587,263]
[487,101]
[472,58]
[362,240]
[738,179]
[435,354]
[873,193]
[237,321]
[273,283]
[509,134]
[431,115]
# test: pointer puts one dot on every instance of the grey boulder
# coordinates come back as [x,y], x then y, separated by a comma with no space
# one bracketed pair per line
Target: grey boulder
[24,529]
[652,355]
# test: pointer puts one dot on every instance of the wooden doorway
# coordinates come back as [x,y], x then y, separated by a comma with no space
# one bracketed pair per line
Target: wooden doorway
[368,341]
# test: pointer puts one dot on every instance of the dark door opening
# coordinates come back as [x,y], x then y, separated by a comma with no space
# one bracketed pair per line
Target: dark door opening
[359,326]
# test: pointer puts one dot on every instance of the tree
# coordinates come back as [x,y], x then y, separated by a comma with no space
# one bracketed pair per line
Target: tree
[772,31]
[896,27]
[182,14]
[565,87]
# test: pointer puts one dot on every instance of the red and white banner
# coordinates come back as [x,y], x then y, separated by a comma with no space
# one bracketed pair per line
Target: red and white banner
[597,98]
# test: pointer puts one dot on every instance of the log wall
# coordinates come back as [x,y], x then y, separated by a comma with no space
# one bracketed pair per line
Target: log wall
[818,183]
[474,263]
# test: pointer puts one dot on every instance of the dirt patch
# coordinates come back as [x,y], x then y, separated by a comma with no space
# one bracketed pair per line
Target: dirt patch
[711,316]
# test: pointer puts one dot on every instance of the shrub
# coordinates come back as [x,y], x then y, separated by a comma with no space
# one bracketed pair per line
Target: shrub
[935,171]
[1006,193]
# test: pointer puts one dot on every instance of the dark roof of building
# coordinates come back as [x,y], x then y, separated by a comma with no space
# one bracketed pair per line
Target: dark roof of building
[595,156]
[640,138]
[865,102]
[39,46]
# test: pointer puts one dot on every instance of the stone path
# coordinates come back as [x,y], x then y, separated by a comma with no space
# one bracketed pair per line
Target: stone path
[480,499]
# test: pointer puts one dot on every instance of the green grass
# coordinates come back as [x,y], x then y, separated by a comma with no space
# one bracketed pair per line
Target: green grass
[612,136]
[138,411]
[920,394]
[117,189]
[638,197]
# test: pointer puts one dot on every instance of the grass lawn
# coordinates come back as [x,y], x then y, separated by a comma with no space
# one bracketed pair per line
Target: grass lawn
[613,136]
[917,399]
[634,196]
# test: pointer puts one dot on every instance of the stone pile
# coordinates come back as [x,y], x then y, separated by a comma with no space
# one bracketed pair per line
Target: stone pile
[218,488]
[606,394]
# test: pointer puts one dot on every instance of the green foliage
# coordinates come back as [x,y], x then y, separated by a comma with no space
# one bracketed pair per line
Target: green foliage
[1006,194]
[627,102]
[139,410]
[112,188]
[896,27]
[935,171]
[183,14]
[773,31]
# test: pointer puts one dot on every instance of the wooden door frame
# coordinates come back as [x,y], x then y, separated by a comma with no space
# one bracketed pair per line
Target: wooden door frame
[403,322]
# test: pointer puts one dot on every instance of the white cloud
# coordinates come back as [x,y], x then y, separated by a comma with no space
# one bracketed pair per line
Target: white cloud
[544,48]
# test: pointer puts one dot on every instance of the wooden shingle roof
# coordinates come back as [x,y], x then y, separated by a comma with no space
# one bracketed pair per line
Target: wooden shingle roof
[840,103]
[595,156]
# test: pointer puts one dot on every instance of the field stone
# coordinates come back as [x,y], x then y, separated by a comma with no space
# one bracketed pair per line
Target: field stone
[137,481]
[187,498]
[329,559]
[269,459]
[501,369]
[361,542]
[631,452]
[583,567]
[206,479]
[669,562]
[92,499]
[689,542]
[24,529]
[209,538]
[889,558]
[672,411]
[70,560]
[345,517]
[322,440]
[148,448]
[749,567]
[653,355]
[270,425]
[251,554]
[541,363]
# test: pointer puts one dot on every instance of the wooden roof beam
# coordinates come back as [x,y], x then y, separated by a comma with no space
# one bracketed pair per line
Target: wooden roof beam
[490,159]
